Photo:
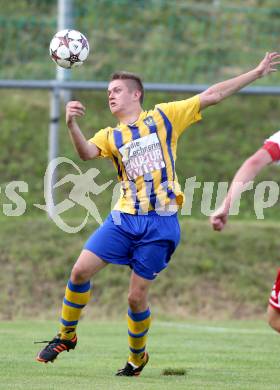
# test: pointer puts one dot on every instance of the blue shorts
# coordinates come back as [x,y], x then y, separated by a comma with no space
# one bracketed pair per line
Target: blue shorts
[143,242]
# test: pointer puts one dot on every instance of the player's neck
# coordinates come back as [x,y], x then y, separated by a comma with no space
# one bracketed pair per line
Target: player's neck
[129,117]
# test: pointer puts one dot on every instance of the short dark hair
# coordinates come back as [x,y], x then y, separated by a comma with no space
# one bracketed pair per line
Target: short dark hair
[123,75]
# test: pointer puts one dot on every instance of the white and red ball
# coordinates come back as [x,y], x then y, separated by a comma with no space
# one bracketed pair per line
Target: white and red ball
[69,48]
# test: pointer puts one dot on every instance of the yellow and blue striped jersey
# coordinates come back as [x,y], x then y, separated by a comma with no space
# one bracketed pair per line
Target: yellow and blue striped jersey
[144,155]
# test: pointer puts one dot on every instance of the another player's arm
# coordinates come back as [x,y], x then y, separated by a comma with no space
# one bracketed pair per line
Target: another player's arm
[85,149]
[246,173]
[218,92]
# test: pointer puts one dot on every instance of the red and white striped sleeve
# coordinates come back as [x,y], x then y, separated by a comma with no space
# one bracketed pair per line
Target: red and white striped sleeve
[272,146]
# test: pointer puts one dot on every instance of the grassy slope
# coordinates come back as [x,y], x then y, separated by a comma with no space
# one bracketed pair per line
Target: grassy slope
[210,275]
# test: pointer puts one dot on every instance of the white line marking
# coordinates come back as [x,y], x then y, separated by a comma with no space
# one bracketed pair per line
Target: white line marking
[214,329]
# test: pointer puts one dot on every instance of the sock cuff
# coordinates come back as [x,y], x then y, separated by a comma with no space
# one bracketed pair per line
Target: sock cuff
[81,288]
[139,316]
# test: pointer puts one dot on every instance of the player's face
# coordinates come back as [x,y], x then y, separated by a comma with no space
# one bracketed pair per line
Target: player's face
[119,96]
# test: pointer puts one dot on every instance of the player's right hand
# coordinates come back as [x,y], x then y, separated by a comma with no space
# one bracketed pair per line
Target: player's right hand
[74,109]
[219,218]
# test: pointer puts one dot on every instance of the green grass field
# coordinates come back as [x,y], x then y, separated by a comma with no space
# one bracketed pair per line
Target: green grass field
[215,355]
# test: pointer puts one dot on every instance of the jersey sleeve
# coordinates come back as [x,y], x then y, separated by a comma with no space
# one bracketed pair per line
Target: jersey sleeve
[272,146]
[101,140]
[182,113]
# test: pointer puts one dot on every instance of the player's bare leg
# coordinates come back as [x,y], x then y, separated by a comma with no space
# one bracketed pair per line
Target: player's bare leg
[87,265]
[273,318]
[138,293]
[77,295]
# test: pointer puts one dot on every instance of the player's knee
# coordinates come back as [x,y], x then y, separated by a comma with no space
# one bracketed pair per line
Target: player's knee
[79,274]
[273,319]
[274,323]
[135,300]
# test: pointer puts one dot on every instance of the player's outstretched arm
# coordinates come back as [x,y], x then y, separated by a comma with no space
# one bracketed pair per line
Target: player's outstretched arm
[246,173]
[220,91]
[86,150]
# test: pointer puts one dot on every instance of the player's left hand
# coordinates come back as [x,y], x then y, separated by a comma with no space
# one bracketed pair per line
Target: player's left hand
[268,64]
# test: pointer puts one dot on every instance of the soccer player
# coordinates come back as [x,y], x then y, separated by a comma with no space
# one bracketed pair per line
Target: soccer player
[142,231]
[267,154]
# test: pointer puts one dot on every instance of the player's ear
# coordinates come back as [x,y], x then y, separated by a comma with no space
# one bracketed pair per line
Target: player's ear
[137,94]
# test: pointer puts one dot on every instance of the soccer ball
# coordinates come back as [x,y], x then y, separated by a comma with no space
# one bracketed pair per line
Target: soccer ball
[69,48]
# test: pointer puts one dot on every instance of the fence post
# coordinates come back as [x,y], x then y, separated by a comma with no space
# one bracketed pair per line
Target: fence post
[53,149]
[65,21]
